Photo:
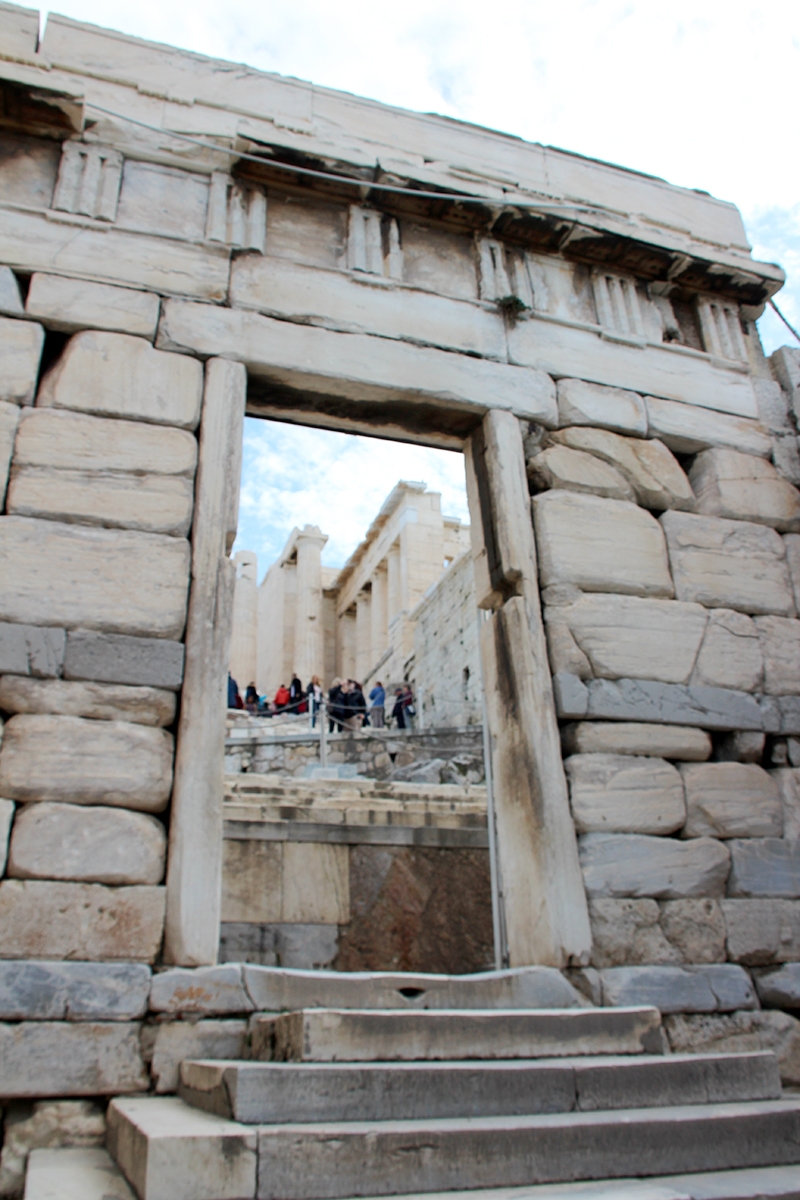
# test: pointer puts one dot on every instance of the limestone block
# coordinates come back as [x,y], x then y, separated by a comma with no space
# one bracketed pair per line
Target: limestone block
[31,649]
[73,991]
[206,990]
[251,881]
[574,471]
[86,762]
[788,708]
[654,474]
[680,742]
[42,919]
[72,304]
[10,299]
[762,931]
[571,695]
[599,545]
[695,929]
[649,700]
[100,701]
[728,564]
[581,403]
[89,845]
[52,437]
[786,456]
[20,351]
[176,1041]
[617,864]
[116,375]
[6,817]
[316,883]
[731,800]
[687,428]
[773,405]
[633,637]
[788,781]
[792,543]
[61,1058]
[739,1033]
[46,1123]
[355,365]
[780,644]
[780,988]
[785,364]
[719,988]
[9,418]
[730,655]
[563,651]
[627,931]
[744,488]
[153,503]
[614,793]
[114,658]
[768,866]
[111,580]
[75,1173]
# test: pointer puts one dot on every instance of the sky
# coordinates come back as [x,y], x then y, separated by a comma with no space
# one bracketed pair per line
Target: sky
[700,92]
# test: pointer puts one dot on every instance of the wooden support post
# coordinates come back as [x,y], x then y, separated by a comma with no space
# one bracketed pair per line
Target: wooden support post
[194,870]
[546,913]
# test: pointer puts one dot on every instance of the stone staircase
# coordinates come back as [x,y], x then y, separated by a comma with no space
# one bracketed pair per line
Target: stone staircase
[548,1104]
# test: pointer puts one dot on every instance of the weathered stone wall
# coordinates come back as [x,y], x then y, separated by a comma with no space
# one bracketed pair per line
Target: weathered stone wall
[668,575]
[445,672]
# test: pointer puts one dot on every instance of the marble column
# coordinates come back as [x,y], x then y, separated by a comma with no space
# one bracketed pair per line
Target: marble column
[363,634]
[309,652]
[379,613]
[244,638]
[393,581]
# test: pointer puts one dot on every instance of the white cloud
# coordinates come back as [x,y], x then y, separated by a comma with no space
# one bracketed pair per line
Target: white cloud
[297,476]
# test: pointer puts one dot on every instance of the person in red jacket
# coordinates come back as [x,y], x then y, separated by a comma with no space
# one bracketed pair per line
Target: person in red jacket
[282,698]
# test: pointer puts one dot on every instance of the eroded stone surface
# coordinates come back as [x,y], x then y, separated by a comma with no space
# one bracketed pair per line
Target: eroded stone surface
[762,931]
[687,428]
[722,987]
[731,800]
[730,655]
[633,637]
[581,403]
[600,545]
[739,1033]
[745,488]
[728,564]
[111,580]
[695,928]
[651,470]
[574,471]
[86,762]
[20,351]
[116,375]
[63,1058]
[114,658]
[626,932]
[614,793]
[71,304]
[31,649]
[780,645]
[780,988]
[206,990]
[679,742]
[618,864]
[9,418]
[58,438]
[175,1041]
[73,991]
[788,781]
[151,503]
[650,700]
[766,866]
[45,1124]
[100,701]
[91,844]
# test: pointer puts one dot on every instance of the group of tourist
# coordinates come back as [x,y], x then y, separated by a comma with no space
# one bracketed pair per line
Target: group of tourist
[346,704]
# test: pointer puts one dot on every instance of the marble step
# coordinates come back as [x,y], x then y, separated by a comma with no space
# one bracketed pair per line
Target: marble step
[170,1151]
[258,1093]
[353,1035]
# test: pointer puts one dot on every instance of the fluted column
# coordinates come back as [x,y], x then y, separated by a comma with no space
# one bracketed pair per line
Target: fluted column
[393,581]
[308,636]
[363,634]
[379,614]
[244,635]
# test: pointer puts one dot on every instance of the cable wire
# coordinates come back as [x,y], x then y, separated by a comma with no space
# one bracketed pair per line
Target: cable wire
[791,328]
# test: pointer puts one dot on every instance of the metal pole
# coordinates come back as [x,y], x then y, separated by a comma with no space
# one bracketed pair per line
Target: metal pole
[323,733]
[498,914]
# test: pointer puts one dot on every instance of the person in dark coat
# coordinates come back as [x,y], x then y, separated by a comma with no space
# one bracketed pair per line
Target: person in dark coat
[336,709]
[296,695]
[399,710]
[233,691]
[251,698]
[356,706]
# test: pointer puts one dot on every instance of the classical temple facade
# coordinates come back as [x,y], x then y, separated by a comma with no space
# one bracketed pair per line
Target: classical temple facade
[356,622]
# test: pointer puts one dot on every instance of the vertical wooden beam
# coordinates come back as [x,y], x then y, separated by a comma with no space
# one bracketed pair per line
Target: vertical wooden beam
[545,907]
[194,869]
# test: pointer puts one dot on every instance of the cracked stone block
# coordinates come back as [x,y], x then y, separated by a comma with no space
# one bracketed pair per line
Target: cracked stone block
[730,655]
[73,991]
[625,932]
[621,864]
[31,650]
[739,1033]
[768,866]
[614,793]
[762,931]
[744,488]
[731,800]
[695,929]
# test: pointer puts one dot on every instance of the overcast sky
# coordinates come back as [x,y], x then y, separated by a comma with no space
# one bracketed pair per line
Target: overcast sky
[700,92]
